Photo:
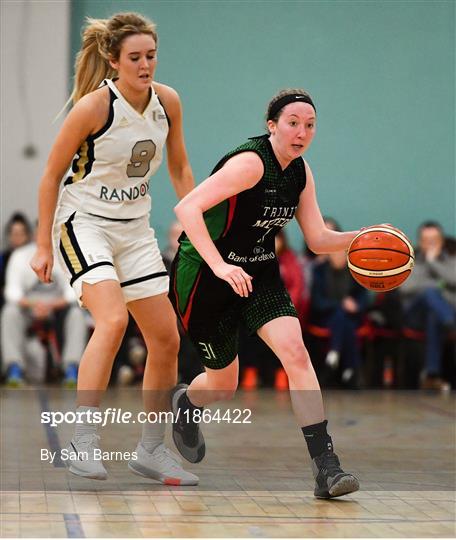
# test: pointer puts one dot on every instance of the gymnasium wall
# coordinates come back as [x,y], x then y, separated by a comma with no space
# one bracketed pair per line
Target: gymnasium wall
[381,74]
[34,84]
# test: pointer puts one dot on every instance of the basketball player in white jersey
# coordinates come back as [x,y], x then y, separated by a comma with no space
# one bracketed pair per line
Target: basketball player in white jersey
[114,137]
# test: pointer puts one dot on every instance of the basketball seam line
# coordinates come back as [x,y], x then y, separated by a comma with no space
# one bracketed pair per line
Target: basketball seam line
[384,229]
[384,273]
[382,249]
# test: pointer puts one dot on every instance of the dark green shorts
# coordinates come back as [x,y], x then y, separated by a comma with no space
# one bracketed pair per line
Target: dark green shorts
[211,312]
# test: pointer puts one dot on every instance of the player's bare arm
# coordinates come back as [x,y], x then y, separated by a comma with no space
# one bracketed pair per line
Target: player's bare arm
[318,237]
[178,165]
[86,117]
[241,172]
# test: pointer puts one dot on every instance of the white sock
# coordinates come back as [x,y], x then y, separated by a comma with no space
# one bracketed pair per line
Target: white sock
[153,434]
[85,428]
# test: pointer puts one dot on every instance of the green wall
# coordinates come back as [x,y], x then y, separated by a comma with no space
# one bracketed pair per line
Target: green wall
[381,74]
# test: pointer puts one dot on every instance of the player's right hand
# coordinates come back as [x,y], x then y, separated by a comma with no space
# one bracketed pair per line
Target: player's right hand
[42,263]
[239,280]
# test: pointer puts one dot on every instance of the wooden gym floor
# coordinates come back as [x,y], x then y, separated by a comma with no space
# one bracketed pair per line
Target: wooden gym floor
[255,480]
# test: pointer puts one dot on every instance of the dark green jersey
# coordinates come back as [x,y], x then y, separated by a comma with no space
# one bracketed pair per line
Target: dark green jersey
[243,227]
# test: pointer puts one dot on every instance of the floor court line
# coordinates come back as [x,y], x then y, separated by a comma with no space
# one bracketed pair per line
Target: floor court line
[73,526]
[402,451]
[51,432]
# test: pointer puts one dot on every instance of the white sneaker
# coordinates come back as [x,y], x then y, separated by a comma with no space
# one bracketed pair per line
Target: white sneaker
[332,359]
[161,465]
[83,457]
[347,374]
[125,375]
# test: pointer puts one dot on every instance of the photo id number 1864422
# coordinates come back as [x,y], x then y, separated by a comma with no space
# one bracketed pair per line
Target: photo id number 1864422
[230,416]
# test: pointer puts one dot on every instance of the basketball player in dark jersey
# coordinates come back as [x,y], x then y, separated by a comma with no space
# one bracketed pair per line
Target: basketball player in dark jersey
[226,274]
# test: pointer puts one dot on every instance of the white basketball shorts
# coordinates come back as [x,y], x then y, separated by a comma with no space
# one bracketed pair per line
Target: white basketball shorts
[93,249]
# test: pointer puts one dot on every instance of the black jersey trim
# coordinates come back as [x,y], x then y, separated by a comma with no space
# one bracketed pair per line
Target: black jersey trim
[77,163]
[167,117]
[66,259]
[90,157]
[109,121]
[74,246]
[91,267]
[74,242]
[91,144]
[113,219]
[143,278]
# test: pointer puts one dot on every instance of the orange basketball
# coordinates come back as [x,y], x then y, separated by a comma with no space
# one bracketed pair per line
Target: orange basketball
[380,258]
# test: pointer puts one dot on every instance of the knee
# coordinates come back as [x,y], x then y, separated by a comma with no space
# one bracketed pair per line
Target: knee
[294,355]
[224,388]
[168,342]
[172,342]
[115,322]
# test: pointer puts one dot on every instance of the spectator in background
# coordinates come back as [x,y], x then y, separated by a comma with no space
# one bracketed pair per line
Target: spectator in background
[429,298]
[174,231]
[291,271]
[339,303]
[30,303]
[309,259]
[17,233]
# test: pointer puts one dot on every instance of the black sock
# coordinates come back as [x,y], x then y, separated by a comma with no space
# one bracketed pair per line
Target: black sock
[317,439]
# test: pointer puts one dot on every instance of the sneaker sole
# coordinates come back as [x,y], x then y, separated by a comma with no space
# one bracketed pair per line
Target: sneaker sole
[344,486]
[84,474]
[192,455]
[166,480]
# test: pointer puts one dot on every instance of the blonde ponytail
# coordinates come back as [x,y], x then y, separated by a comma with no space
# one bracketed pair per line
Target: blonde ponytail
[92,61]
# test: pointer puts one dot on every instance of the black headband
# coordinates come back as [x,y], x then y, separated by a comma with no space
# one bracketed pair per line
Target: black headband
[285,100]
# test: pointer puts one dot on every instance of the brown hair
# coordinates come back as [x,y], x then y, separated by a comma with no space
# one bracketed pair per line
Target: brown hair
[101,41]
[280,95]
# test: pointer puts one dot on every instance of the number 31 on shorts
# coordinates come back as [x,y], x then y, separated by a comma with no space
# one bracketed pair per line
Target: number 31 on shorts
[207,350]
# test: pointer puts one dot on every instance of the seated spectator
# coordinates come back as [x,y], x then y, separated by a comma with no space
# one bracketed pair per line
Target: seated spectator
[309,259]
[29,304]
[339,303]
[174,232]
[429,299]
[385,318]
[291,272]
[18,233]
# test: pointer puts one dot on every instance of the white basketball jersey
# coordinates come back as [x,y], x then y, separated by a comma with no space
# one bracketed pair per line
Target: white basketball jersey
[110,173]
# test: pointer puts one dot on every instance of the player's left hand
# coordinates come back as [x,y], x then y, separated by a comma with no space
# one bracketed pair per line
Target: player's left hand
[42,263]
[239,280]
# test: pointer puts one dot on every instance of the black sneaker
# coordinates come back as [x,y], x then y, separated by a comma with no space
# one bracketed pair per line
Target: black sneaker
[330,479]
[187,435]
